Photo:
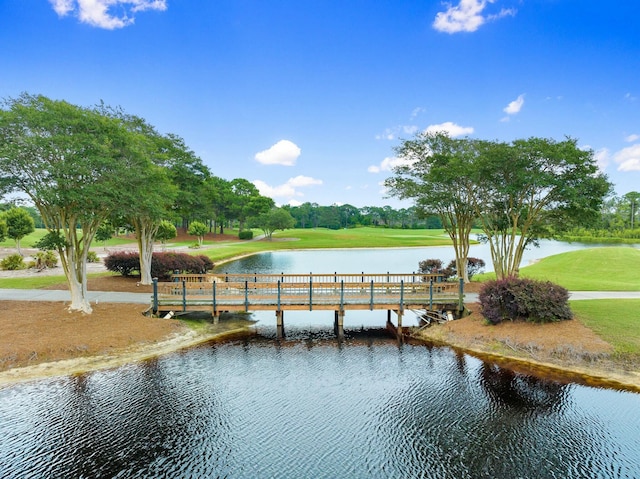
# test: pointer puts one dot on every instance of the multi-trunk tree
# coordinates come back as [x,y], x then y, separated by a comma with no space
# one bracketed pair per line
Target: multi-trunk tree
[77,166]
[517,192]
[436,174]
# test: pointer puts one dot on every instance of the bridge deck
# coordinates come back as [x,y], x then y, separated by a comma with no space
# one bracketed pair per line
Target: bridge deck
[280,292]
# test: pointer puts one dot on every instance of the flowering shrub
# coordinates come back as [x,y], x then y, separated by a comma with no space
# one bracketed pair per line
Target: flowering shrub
[526,299]
[163,265]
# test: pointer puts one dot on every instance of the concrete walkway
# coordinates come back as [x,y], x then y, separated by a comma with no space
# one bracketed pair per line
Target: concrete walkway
[145,298]
[61,295]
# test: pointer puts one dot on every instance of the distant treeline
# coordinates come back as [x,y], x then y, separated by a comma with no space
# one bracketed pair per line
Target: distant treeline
[312,215]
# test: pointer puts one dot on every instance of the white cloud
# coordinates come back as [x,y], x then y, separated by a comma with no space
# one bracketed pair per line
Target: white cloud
[301,181]
[294,203]
[467,16]
[417,111]
[395,132]
[628,158]
[515,106]
[62,7]
[389,163]
[603,158]
[449,128]
[632,138]
[102,13]
[288,189]
[284,153]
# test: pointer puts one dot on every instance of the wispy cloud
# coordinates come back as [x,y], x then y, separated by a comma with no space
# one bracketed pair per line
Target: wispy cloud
[289,190]
[631,138]
[283,153]
[603,158]
[388,164]
[450,129]
[628,159]
[467,16]
[513,107]
[396,132]
[102,13]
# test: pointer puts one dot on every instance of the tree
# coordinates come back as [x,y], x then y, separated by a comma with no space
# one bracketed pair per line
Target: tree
[19,224]
[3,229]
[436,175]
[246,201]
[196,228]
[105,232]
[77,166]
[531,188]
[166,231]
[187,172]
[633,200]
[219,198]
[274,220]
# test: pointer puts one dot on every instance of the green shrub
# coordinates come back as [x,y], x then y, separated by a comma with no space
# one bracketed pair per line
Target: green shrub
[245,235]
[46,259]
[526,299]
[92,257]
[13,262]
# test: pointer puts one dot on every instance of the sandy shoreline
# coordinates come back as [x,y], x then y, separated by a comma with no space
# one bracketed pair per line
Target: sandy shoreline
[70,367]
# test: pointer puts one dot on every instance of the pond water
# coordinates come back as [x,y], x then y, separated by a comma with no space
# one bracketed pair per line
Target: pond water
[381,260]
[309,406]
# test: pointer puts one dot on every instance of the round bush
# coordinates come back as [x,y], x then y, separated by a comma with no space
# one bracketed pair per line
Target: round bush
[524,299]
[13,262]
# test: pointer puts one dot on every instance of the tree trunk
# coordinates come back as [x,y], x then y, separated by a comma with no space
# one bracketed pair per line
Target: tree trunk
[145,234]
[75,269]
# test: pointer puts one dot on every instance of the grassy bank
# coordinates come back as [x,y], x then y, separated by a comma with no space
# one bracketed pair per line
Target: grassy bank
[614,320]
[321,238]
[596,269]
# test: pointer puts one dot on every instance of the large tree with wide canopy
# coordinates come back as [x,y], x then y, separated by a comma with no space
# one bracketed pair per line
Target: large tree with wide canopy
[77,166]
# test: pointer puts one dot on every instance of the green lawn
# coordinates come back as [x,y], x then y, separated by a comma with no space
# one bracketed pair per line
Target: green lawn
[617,321]
[324,238]
[596,269]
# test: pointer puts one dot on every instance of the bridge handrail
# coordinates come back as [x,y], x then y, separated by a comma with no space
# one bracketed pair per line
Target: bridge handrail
[305,278]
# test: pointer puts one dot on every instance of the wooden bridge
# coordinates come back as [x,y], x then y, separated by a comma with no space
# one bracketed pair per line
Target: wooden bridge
[220,293]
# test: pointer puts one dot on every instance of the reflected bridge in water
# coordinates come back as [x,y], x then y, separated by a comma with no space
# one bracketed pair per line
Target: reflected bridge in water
[221,293]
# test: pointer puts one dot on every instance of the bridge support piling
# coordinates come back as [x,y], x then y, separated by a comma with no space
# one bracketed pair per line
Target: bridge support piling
[338,324]
[280,324]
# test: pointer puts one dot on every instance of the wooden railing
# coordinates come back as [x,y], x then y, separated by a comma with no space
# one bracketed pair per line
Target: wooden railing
[246,292]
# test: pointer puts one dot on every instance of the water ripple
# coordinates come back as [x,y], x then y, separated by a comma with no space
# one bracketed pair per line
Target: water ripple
[308,406]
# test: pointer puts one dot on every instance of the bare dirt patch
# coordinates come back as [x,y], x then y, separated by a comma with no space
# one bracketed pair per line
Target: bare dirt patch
[37,332]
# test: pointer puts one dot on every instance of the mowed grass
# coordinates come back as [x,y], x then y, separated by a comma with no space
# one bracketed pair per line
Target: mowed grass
[595,269]
[614,320]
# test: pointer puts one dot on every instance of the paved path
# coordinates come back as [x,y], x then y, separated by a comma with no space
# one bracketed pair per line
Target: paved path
[145,298]
[61,295]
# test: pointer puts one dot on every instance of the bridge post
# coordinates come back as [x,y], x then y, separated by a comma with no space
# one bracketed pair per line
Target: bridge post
[155,295]
[279,324]
[338,324]
[461,297]
[184,295]
[371,300]
[215,314]
[246,296]
[431,294]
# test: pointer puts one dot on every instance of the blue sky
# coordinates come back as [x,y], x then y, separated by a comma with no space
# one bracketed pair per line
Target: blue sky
[308,98]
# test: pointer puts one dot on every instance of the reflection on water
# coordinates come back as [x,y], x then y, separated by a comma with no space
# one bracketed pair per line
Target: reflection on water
[308,406]
[395,260]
